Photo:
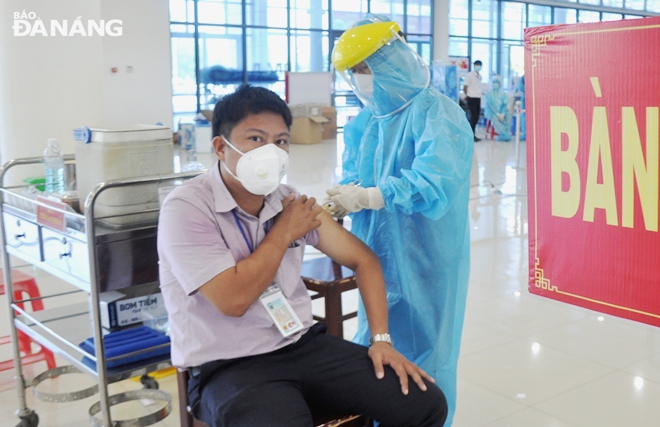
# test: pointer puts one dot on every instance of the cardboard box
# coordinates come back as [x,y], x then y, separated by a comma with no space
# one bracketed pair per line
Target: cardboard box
[307,127]
[117,310]
[329,128]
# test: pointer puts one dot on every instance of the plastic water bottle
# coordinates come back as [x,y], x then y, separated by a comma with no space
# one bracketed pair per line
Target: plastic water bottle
[54,161]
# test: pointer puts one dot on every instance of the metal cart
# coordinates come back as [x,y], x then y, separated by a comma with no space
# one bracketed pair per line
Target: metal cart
[93,257]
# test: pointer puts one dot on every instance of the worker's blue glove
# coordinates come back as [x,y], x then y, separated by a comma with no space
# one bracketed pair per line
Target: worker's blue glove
[344,199]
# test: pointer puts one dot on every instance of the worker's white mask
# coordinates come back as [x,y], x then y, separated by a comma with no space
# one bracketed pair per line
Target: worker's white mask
[365,84]
[260,170]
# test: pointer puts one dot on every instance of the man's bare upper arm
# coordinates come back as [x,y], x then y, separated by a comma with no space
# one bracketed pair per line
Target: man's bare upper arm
[339,244]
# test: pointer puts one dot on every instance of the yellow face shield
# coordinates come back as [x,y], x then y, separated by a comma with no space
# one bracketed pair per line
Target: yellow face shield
[358,43]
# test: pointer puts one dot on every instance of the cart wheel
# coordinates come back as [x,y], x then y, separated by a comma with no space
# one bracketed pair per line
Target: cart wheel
[30,420]
[149,382]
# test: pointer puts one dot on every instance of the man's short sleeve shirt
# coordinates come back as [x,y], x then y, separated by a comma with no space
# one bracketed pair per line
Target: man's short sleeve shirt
[473,83]
[198,238]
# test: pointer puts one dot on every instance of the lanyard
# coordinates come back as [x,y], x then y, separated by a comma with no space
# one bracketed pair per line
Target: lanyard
[245,237]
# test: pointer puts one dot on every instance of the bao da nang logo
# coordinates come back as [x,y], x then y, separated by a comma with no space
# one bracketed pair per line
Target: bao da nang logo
[28,24]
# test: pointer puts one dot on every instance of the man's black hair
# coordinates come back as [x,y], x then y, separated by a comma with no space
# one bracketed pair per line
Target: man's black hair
[477,62]
[233,108]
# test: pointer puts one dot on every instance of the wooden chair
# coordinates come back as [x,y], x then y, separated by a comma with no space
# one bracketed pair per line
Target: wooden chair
[329,281]
[188,420]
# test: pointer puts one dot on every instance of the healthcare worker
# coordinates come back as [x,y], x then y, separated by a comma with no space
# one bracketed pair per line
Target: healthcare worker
[406,179]
[523,116]
[497,110]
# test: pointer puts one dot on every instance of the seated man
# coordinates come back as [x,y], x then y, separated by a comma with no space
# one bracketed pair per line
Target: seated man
[231,244]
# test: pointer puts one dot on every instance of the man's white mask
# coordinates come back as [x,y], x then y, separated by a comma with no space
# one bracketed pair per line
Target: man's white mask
[260,170]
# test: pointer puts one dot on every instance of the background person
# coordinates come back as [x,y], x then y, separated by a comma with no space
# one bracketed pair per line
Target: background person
[523,116]
[497,110]
[472,90]
[230,246]
[411,149]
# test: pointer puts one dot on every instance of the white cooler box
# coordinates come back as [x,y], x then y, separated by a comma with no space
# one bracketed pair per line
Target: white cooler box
[115,154]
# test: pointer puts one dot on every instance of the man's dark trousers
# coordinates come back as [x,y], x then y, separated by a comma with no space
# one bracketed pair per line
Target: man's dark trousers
[474,106]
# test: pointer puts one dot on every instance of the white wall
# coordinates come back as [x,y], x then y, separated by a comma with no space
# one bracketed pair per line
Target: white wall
[145,94]
[50,85]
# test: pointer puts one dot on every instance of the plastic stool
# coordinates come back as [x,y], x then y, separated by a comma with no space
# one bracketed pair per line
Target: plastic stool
[24,284]
[491,133]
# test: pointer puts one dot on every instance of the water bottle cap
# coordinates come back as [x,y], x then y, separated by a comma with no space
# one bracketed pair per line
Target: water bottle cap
[52,141]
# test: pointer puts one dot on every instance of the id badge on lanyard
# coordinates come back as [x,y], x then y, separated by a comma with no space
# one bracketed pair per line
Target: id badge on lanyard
[280,311]
[273,299]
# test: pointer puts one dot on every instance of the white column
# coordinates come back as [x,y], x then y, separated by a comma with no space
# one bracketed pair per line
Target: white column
[441,30]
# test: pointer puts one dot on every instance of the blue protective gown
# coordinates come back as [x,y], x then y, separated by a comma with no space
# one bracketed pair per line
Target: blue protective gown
[420,158]
[523,116]
[497,102]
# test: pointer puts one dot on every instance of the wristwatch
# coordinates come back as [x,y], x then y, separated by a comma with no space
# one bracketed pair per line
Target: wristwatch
[381,338]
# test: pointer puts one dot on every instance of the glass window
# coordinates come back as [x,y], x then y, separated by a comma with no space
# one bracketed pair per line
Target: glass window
[276,13]
[266,48]
[220,11]
[634,4]
[220,62]
[485,51]
[258,41]
[183,66]
[565,16]
[513,20]
[184,105]
[419,17]
[392,8]
[309,51]
[421,45]
[594,2]
[539,15]
[588,16]
[653,5]
[513,64]
[182,11]
[458,18]
[458,46]
[256,13]
[181,29]
[484,18]
[611,16]
[632,17]
[613,3]
[345,12]
[306,14]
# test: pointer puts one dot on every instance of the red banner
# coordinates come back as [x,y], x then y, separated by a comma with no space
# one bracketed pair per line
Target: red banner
[593,98]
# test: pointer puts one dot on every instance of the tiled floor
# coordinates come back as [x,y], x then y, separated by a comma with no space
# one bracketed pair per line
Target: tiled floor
[525,361]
